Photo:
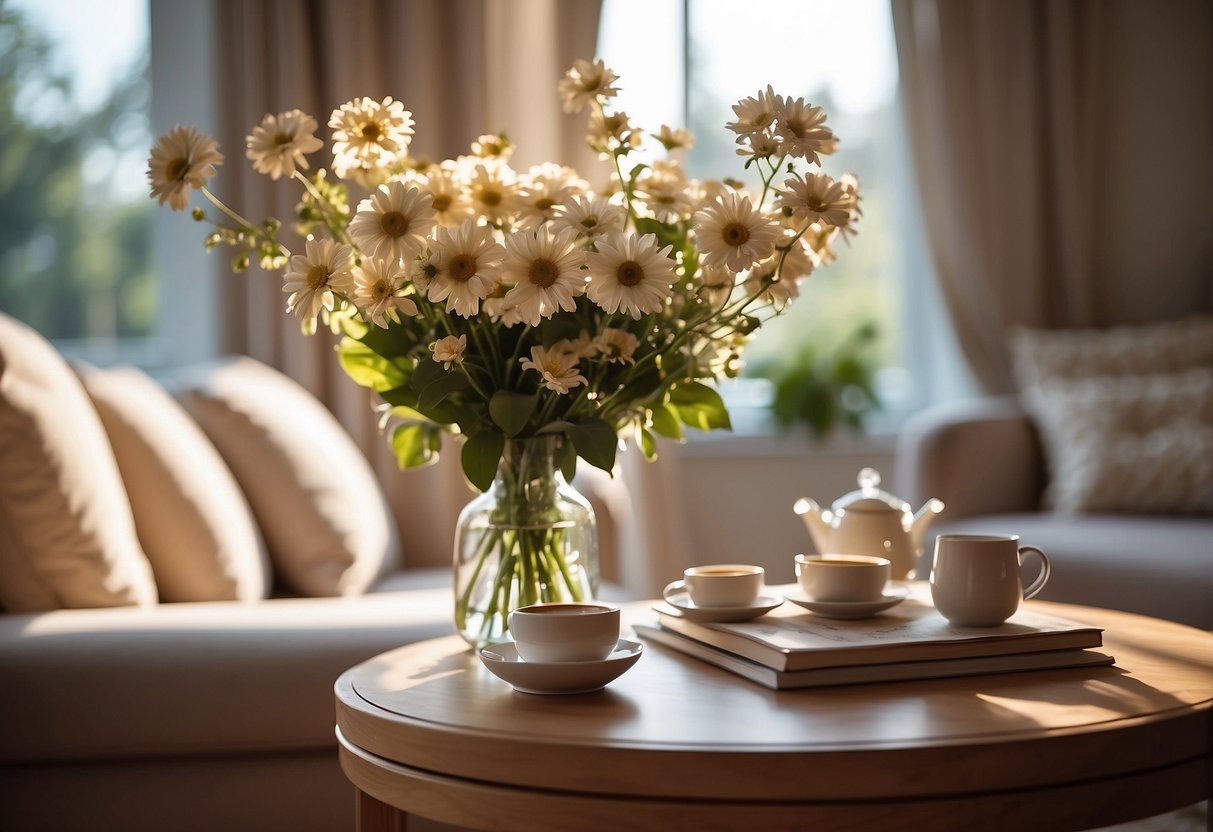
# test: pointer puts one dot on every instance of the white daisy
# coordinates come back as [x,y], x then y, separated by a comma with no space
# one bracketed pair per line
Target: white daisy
[451,203]
[467,261]
[422,271]
[493,191]
[582,346]
[393,221]
[376,283]
[584,82]
[665,191]
[278,145]
[801,127]
[630,274]
[369,134]
[815,197]
[590,215]
[449,350]
[716,284]
[617,345]
[311,279]
[541,189]
[675,139]
[732,234]
[779,293]
[182,159]
[755,115]
[607,132]
[544,272]
[558,368]
[493,146]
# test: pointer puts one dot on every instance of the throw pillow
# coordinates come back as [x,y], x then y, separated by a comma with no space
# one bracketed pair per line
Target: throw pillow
[327,526]
[191,518]
[67,537]
[1125,415]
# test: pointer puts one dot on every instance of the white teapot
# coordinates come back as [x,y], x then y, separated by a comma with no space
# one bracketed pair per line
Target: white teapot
[870,522]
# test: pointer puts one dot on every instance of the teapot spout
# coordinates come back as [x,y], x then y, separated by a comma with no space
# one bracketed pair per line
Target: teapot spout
[922,521]
[817,521]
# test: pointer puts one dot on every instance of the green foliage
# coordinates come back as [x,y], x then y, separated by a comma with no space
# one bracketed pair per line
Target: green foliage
[825,388]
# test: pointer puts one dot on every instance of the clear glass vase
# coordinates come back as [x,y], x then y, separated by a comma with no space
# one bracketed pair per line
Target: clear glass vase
[529,539]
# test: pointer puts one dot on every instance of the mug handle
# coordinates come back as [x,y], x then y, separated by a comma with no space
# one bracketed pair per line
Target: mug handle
[1038,584]
[671,588]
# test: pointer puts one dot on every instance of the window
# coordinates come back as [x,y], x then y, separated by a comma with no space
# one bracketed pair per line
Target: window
[82,256]
[841,56]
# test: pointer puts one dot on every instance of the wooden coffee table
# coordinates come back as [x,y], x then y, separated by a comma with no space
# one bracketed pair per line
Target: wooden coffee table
[678,744]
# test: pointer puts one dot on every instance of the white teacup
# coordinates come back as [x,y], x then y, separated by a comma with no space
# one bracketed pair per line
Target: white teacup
[854,578]
[720,585]
[565,632]
[975,578]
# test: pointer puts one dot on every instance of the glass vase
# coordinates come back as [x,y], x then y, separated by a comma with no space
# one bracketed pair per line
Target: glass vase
[531,538]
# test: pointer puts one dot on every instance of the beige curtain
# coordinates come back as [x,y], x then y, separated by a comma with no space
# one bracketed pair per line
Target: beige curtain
[463,68]
[1062,156]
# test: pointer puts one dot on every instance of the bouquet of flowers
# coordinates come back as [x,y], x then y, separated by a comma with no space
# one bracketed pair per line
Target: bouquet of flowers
[510,306]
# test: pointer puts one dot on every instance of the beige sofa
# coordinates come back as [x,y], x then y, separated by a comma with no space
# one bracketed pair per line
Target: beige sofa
[183,587]
[985,461]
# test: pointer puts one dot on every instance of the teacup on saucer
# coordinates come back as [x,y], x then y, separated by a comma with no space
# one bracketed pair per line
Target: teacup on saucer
[550,678]
[688,609]
[893,595]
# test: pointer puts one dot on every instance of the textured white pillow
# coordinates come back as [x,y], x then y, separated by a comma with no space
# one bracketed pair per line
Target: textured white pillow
[326,524]
[192,520]
[67,538]
[1125,415]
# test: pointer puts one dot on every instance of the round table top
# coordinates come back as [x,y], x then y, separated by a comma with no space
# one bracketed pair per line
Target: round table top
[674,726]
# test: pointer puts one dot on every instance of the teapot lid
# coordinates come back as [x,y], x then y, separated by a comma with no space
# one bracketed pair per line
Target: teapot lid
[869,497]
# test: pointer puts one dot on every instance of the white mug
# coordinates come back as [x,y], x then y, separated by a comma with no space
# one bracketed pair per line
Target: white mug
[975,578]
[719,585]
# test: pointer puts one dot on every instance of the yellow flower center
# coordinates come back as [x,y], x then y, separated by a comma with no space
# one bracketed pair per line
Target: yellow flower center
[629,273]
[176,169]
[816,203]
[317,276]
[463,267]
[490,197]
[735,234]
[589,223]
[281,138]
[371,132]
[381,290]
[442,202]
[543,273]
[544,203]
[394,224]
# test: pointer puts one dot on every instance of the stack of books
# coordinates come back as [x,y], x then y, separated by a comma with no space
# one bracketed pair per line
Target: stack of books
[792,648]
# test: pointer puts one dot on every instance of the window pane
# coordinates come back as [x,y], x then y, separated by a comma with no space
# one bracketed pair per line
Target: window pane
[75,234]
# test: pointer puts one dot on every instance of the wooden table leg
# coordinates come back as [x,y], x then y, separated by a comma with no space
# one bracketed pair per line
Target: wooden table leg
[373,815]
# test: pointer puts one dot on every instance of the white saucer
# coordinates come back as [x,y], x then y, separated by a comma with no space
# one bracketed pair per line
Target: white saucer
[686,608]
[893,596]
[503,661]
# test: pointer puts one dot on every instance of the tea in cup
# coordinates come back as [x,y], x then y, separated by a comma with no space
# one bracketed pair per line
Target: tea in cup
[719,585]
[975,578]
[849,578]
[565,632]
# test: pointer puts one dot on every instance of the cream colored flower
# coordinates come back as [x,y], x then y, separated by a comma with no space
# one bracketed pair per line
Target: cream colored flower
[777,292]
[449,350]
[816,197]
[755,116]
[799,261]
[311,279]
[583,346]
[376,284]
[629,274]
[675,139]
[544,272]
[716,284]
[493,191]
[278,145]
[393,221]
[493,146]
[369,134]
[617,345]
[585,81]
[422,271]
[451,203]
[606,132]
[590,215]
[558,368]
[801,128]
[182,159]
[467,262]
[732,234]
[543,188]
[665,191]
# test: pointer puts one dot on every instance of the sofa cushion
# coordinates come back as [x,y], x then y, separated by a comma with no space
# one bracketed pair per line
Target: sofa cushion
[326,524]
[188,679]
[191,518]
[67,537]
[1125,415]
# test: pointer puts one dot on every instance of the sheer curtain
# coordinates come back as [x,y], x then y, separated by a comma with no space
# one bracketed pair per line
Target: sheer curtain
[1061,150]
[463,68]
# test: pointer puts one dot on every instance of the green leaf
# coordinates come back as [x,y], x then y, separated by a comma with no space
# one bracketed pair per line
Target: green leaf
[665,422]
[416,444]
[428,371]
[480,457]
[394,342]
[511,411]
[647,442]
[568,461]
[367,368]
[636,171]
[436,391]
[402,396]
[699,406]
[596,442]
